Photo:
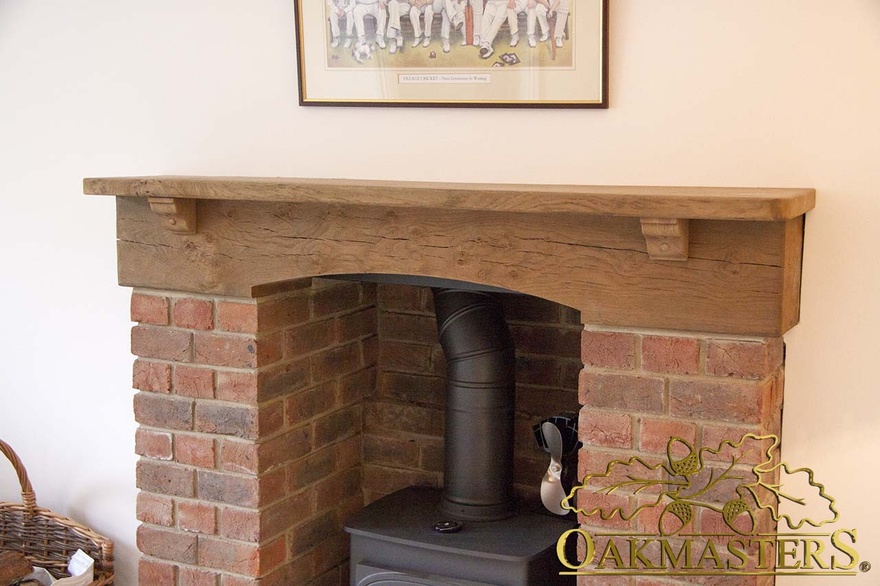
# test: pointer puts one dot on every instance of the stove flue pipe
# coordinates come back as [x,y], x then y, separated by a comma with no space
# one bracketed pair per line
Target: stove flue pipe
[480,357]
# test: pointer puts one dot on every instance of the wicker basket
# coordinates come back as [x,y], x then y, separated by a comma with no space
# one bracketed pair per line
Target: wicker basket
[47,539]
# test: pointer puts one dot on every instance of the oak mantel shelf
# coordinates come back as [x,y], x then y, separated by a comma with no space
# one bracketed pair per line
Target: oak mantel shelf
[705,203]
[725,260]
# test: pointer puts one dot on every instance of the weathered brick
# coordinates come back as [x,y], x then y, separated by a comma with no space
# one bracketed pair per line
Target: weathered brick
[608,349]
[232,489]
[400,297]
[164,411]
[309,337]
[197,517]
[237,317]
[308,470]
[194,450]
[382,480]
[165,478]
[336,426]
[744,359]
[292,444]
[149,309]
[719,400]
[314,531]
[427,391]
[606,428]
[338,488]
[239,456]
[671,355]
[333,362]
[259,525]
[155,509]
[555,341]
[309,403]
[152,572]
[151,376]
[357,325]
[402,357]
[247,559]
[196,577]
[643,394]
[284,312]
[161,343]
[405,327]
[193,381]
[226,419]
[194,314]
[335,299]
[285,378]
[233,350]
[270,418]
[356,386]
[381,416]
[390,451]
[238,387]
[167,544]
[153,444]
[654,434]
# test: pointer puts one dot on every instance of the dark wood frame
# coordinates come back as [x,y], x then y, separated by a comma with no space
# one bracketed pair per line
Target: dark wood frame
[305,101]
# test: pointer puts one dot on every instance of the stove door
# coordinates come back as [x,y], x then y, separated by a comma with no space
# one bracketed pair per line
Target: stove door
[374,576]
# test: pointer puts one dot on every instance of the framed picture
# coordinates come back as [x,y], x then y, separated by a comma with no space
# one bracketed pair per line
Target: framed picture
[453,53]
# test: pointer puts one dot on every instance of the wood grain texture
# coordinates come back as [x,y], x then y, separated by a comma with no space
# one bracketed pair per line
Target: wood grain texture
[741,276]
[650,202]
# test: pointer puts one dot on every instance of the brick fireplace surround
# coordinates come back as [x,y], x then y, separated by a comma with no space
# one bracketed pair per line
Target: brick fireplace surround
[273,403]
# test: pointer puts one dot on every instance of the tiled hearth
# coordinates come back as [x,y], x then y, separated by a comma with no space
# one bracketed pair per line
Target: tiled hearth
[272,405]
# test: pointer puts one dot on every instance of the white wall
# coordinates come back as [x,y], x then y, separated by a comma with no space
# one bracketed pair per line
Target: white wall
[715,92]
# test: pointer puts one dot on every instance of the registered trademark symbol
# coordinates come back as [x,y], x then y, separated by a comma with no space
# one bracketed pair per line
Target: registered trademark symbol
[865,566]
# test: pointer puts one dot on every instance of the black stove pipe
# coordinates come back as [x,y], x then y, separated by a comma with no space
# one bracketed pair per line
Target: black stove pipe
[480,357]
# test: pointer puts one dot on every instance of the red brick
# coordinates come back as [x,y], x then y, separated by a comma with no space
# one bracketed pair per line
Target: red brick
[167,544]
[197,577]
[382,416]
[226,350]
[292,444]
[311,469]
[314,531]
[654,434]
[608,349]
[401,357]
[400,298]
[607,429]
[193,314]
[155,509]
[353,388]
[335,299]
[270,418]
[310,337]
[719,400]
[242,558]
[225,419]
[546,340]
[161,343]
[283,312]
[238,387]
[151,376]
[149,309]
[328,555]
[194,450]
[625,392]
[339,425]
[742,359]
[239,456]
[338,488]
[232,489]
[197,517]
[165,478]
[310,403]
[164,411]
[195,382]
[405,327]
[390,451]
[237,317]
[357,325]
[336,361]
[153,572]
[284,379]
[153,444]
[382,480]
[715,435]
[671,355]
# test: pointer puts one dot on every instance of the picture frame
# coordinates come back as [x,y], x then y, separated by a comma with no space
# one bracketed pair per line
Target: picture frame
[479,53]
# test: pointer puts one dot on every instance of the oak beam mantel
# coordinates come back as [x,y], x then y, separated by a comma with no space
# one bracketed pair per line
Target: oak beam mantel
[723,260]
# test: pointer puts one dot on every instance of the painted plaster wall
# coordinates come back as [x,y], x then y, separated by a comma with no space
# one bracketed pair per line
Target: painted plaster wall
[747,93]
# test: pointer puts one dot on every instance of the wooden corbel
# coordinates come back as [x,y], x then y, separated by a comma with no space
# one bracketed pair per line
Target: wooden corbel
[667,239]
[178,215]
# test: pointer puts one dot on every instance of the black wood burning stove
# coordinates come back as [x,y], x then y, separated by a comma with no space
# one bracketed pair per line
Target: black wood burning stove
[471,534]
